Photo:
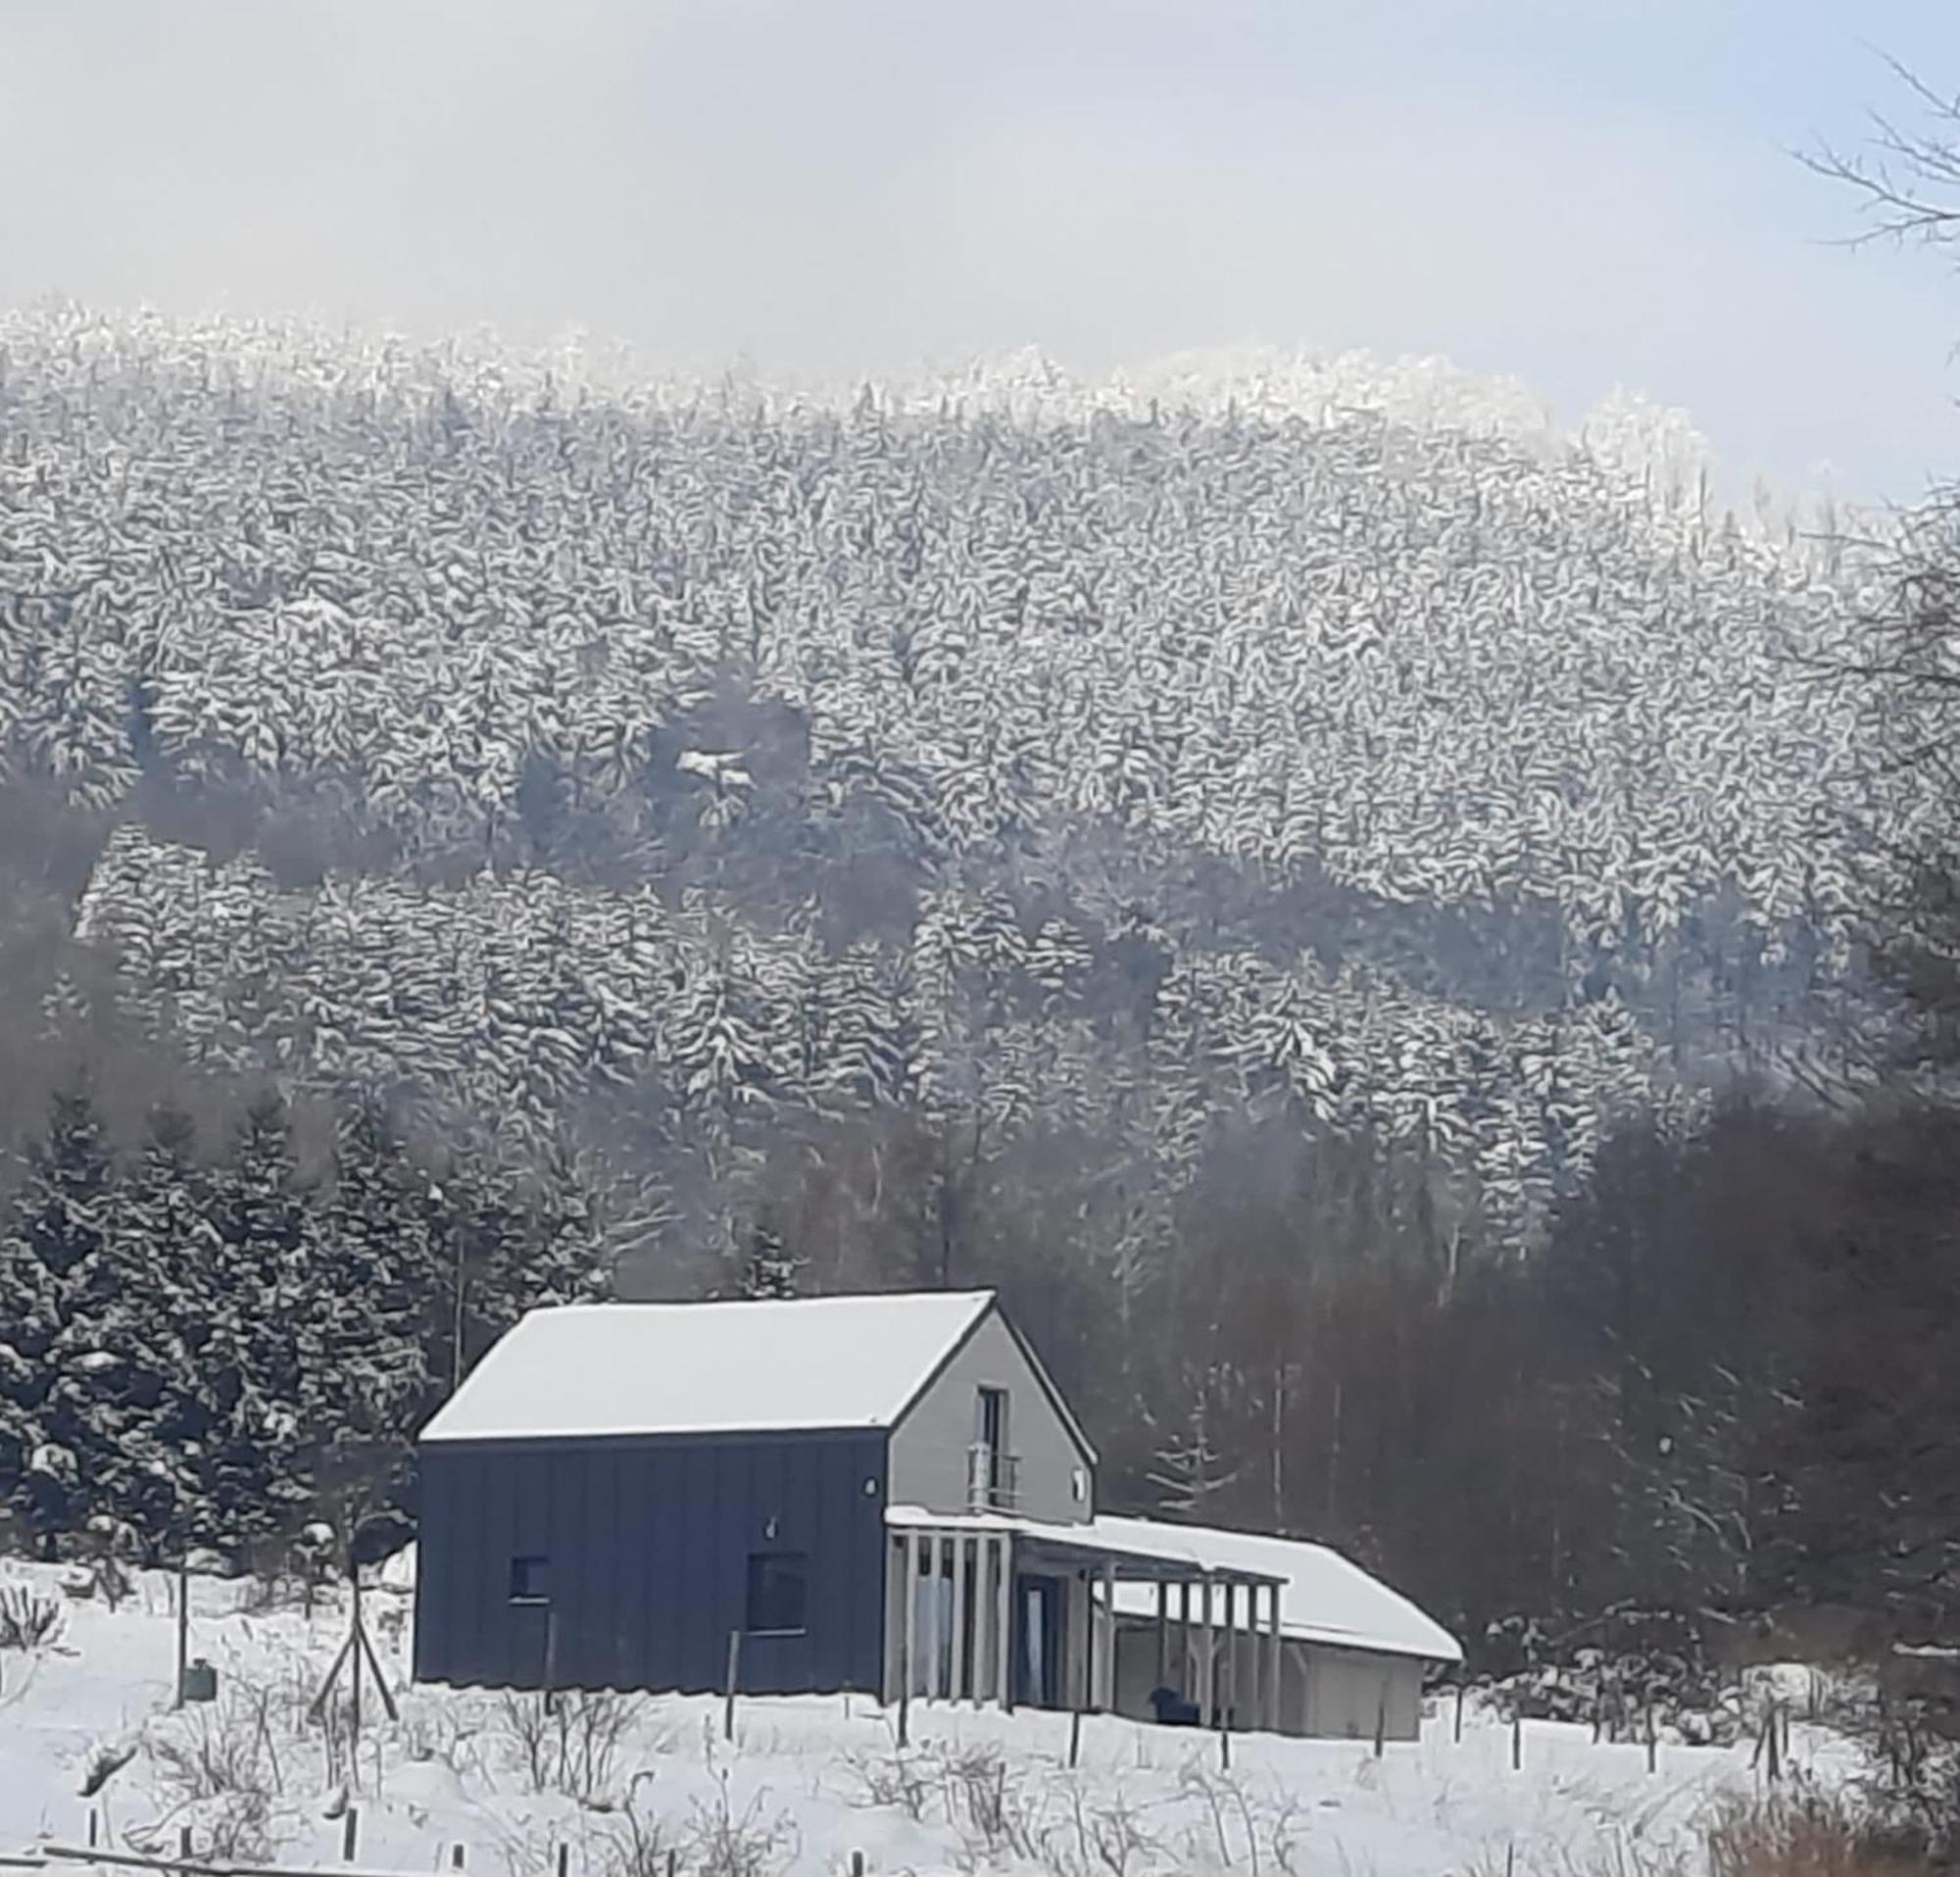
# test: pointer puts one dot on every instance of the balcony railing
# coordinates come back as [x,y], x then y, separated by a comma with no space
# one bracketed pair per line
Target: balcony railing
[992,1479]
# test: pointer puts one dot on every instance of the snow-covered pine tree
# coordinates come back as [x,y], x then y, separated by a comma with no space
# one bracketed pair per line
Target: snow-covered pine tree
[52,1244]
[267,1254]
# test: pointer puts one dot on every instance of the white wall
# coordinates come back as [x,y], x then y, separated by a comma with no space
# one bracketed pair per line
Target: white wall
[929,1447]
[1324,1693]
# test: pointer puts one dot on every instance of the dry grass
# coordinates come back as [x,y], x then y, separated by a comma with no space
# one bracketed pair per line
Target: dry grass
[1807,1838]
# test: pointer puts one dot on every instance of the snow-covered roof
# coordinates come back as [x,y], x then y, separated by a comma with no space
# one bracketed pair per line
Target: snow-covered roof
[1323,1597]
[1326,1599]
[592,1370]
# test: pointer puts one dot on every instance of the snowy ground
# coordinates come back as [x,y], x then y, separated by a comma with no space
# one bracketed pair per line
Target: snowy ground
[805,1784]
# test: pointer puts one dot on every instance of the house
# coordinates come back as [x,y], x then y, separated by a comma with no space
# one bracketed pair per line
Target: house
[875,1492]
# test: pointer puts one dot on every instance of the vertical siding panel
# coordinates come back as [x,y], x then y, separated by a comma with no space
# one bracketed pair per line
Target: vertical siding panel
[434,1604]
[619,1584]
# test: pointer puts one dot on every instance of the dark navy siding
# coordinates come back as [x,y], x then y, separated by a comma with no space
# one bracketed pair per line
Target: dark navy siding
[649,1541]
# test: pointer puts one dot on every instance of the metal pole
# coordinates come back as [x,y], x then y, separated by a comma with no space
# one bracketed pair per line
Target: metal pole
[734,1678]
[183,1629]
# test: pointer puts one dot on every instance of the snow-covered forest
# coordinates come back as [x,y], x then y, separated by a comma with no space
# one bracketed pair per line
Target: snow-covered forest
[1186,849]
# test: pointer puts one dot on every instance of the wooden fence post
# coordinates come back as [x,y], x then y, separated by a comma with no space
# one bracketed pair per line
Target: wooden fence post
[350,1827]
[1517,1741]
[456,1856]
[1074,1735]
[734,1677]
[1653,1740]
[564,1858]
[1381,1720]
[1459,1712]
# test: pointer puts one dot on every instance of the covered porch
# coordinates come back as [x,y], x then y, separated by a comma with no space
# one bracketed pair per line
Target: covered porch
[1007,1611]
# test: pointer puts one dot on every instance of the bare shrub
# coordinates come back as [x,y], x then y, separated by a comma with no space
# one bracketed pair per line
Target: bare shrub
[1096,1841]
[229,1750]
[991,1806]
[569,1742]
[238,1828]
[724,1843]
[907,1779]
[633,1842]
[30,1618]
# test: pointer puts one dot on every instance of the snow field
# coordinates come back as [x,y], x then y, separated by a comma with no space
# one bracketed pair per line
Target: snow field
[620,1782]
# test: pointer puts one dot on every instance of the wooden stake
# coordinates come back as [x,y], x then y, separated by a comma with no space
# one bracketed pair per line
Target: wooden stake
[1517,1741]
[857,1863]
[456,1856]
[1074,1735]
[1652,1742]
[1460,1711]
[365,1643]
[563,1859]
[348,1831]
[1380,1719]
[734,1678]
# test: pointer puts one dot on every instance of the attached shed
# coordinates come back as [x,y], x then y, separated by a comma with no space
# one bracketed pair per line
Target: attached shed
[1353,1652]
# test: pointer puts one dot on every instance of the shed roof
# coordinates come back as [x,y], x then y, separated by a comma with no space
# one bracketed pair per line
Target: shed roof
[586,1371]
[1326,1597]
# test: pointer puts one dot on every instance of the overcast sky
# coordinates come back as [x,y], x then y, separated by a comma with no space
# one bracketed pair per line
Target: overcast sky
[1582,192]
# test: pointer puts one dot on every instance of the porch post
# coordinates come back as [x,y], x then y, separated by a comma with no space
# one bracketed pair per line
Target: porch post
[1108,1701]
[1208,1661]
[1092,1665]
[1164,1631]
[1228,1701]
[956,1682]
[1255,1662]
[1187,1685]
[1003,1659]
[896,1548]
[1277,1656]
[935,1674]
[911,1658]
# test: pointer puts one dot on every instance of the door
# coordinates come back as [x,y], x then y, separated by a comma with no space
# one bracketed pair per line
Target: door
[989,1449]
[1038,1607]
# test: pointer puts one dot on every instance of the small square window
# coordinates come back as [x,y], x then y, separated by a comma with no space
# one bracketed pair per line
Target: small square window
[777,1595]
[530,1580]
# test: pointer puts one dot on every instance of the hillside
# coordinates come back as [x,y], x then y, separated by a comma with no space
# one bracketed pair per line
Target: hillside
[639,766]
[1214,855]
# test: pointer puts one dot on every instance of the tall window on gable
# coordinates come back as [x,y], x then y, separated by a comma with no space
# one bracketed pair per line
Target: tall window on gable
[530,1579]
[778,1593]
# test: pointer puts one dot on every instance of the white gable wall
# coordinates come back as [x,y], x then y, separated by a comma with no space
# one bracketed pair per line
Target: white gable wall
[931,1443]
